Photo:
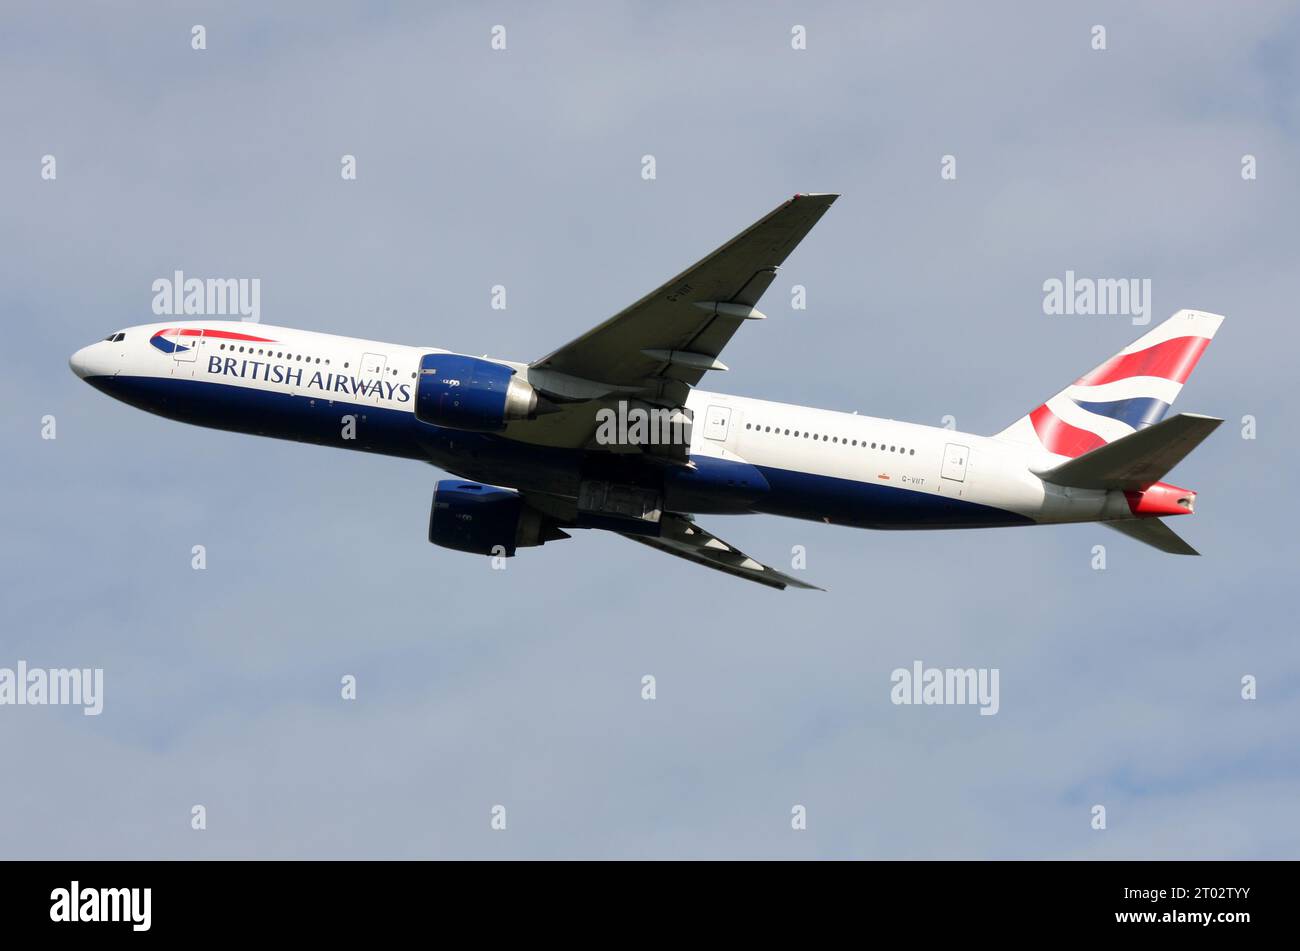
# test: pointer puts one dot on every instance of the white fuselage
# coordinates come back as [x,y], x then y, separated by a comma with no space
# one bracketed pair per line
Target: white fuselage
[324,376]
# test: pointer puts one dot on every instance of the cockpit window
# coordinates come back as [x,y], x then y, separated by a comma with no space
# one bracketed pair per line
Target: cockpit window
[119,337]
[114,338]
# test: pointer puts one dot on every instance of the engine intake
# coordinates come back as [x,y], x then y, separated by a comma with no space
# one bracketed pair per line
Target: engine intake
[459,392]
[486,520]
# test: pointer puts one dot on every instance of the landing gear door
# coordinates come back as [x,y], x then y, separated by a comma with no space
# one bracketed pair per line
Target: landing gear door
[716,422]
[954,462]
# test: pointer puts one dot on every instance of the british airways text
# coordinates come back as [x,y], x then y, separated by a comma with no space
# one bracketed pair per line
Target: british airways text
[294,376]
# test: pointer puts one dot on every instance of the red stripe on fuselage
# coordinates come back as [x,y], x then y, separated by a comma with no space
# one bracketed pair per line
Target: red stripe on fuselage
[1060,437]
[231,335]
[1172,360]
[223,334]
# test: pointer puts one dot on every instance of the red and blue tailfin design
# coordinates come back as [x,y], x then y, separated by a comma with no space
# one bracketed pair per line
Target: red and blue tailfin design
[1130,391]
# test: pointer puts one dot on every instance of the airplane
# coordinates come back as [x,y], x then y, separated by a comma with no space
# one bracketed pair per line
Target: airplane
[601,433]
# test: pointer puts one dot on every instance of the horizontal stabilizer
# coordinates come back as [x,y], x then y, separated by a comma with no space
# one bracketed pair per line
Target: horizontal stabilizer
[1153,532]
[1136,461]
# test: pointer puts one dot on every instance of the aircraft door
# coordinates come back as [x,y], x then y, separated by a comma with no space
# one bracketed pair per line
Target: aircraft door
[954,462]
[186,343]
[372,368]
[716,422]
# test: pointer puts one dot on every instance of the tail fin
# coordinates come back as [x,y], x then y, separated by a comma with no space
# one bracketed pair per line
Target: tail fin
[1130,391]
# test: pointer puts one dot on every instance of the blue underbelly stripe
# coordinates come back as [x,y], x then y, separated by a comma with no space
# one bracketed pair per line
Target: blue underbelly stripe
[719,485]
[872,505]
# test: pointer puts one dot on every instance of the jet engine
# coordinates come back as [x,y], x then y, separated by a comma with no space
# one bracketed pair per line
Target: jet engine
[486,520]
[459,392]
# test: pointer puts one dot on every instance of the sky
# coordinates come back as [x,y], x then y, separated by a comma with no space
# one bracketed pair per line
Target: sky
[522,688]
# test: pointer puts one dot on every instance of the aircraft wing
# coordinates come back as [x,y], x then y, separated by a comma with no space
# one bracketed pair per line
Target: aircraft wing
[683,538]
[678,331]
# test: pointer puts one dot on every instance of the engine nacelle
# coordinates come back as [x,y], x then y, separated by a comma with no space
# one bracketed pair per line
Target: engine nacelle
[486,520]
[467,393]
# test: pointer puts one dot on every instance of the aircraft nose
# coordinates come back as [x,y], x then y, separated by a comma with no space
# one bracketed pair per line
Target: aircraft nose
[80,362]
[97,360]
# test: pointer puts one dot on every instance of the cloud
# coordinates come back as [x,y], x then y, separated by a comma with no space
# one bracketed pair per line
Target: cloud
[522,687]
